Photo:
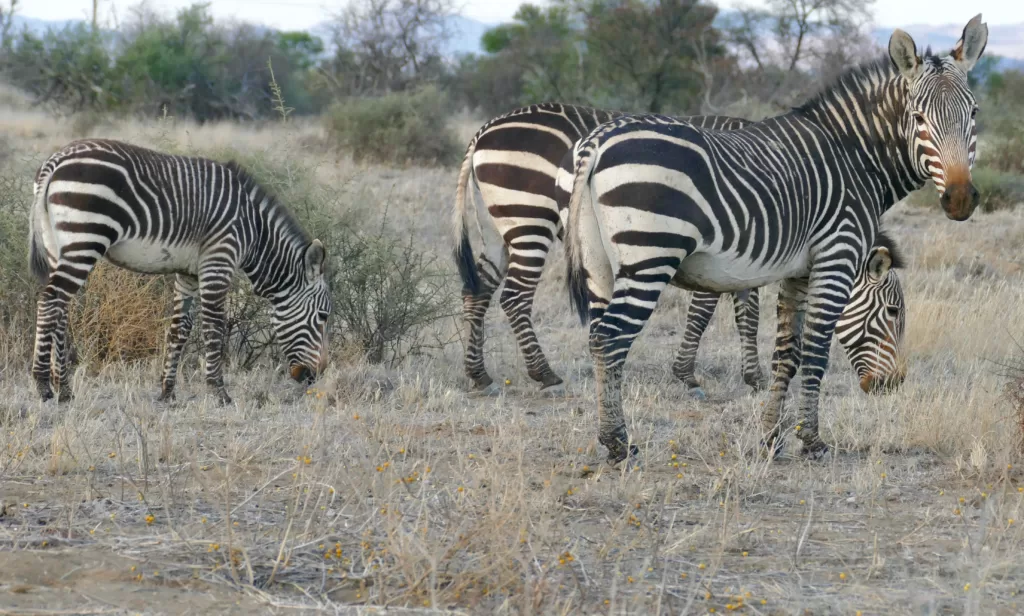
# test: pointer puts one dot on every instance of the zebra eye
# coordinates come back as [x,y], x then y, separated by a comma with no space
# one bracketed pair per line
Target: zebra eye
[323,315]
[892,311]
[974,113]
[919,120]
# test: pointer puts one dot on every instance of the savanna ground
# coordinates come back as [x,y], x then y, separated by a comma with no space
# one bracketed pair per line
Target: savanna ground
[393,486]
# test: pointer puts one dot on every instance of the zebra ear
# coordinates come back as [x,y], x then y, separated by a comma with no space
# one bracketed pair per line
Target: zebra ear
[879,263]
[315,256]
[903,53]
[971,44]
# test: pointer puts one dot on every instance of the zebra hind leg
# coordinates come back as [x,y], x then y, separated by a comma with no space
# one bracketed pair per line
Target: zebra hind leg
[610,341]
[748,316]
[52,347]
[185,289]
[517,302]
[698,316]
[474,313]
[785,359]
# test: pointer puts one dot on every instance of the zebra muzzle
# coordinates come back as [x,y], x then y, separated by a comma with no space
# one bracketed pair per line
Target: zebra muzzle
[959,200]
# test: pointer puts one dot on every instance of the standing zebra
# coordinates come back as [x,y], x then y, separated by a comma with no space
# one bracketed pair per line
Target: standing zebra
[795,198]
[514,159]
[158,214]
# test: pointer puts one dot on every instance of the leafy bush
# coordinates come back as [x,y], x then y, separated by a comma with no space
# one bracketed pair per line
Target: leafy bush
[385,290]
[407,127]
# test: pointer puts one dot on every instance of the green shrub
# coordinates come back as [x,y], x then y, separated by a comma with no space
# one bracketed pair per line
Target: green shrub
[999,189]
[401,128]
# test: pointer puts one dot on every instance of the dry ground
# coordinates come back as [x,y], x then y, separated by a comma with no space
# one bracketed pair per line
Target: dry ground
[397,488]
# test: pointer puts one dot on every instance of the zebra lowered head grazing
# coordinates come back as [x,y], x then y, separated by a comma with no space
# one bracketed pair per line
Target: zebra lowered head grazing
[159,214]
[795,198]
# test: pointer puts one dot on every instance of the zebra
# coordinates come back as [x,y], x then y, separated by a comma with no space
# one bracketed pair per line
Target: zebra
[513,159]
[156,213]
[796,198]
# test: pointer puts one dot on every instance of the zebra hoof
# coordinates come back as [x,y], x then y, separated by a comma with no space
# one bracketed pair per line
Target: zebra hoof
[816,451]
[64,396]
[625,461]
[554,391]
[166,396]
[757,384]
[697,393]
[772,448]
[488,391]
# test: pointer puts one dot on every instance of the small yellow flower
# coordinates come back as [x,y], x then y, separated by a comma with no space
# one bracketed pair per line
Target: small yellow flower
[150,519]
[702,566]
[967,587]
[956,511]
[508,381]
[679,475]
[461,489]
[630,579]
[802,501]
[765,602]
[961,500]
[942,492]
[842,576]
[673,456]
[798,427]
[744,554]
[356,417]
[1010,521]
[682,576]
[112,455]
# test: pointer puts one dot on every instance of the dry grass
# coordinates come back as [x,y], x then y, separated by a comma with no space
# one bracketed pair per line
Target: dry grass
[396,488]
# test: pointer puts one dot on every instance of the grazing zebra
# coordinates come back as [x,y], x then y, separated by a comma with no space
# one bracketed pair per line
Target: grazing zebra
[514,159]
[795,198]
[159,214]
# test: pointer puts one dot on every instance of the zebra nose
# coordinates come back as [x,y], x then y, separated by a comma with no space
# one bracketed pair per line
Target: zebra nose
[875,384]
[302,374]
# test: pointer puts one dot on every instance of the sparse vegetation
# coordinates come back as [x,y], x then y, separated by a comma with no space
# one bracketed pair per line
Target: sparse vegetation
[402,128]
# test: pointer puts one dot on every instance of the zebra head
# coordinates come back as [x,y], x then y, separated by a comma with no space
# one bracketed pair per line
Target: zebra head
[939,118]
[300,318]
[872,325]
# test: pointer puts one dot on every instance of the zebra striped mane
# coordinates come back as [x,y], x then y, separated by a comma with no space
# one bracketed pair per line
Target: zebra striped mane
[861,79]
[884,240]
[281,216]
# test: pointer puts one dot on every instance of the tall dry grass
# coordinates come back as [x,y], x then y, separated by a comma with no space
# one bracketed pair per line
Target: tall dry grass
[391,486]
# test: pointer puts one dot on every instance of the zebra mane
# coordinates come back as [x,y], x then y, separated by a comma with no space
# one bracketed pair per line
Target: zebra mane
[884,240]
[281,216]
[860,79]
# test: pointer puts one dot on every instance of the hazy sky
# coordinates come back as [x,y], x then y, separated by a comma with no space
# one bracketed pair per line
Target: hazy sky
[295,14]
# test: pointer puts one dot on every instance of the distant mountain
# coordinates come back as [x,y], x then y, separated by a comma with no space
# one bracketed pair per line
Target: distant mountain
[39,27]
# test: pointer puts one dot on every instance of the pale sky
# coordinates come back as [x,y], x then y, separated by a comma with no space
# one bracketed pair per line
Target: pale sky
[298,14]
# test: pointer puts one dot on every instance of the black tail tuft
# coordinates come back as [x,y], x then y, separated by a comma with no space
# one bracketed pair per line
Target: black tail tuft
[37,262]
[467,265]
[576,281]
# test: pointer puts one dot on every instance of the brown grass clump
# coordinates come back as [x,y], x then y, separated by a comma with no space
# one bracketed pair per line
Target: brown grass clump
[119,316]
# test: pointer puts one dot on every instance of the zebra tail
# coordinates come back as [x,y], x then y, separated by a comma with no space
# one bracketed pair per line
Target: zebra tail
[576,274]
[38,263]
[463,252]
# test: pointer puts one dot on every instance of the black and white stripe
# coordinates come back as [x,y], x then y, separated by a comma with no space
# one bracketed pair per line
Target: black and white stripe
[160,214]
[514,161]
[796,198]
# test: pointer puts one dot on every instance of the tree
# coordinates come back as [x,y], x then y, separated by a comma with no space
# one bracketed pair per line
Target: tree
[385,45]
[7,25]
[650,49]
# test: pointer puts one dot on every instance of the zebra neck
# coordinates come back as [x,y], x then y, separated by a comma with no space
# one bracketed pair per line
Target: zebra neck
[274,264]
[865,114]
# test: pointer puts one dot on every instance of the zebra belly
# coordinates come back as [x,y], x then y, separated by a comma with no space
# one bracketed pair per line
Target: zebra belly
[721,273]
[152,258]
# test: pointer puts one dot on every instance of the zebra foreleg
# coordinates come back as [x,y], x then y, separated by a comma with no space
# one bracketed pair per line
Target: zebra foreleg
[214,282]
[747,306]
[828,295]
[698,316]
[185,290]
[517,302]
[785,358]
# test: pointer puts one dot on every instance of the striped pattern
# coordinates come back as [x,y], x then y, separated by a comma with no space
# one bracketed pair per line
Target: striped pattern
[160,214]
[796,198]
[514,160]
